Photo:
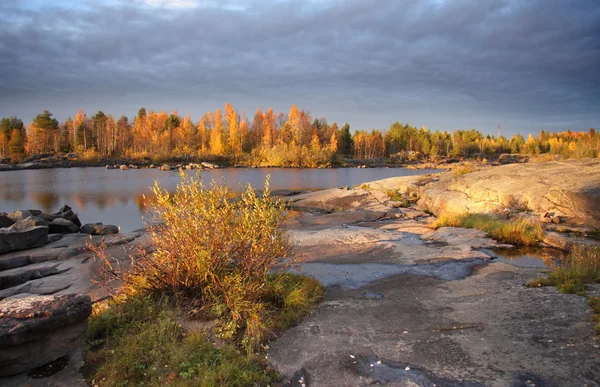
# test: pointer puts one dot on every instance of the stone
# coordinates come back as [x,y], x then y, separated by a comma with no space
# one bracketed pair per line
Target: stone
[32,221]
[19,214]
[35,330]
[123,167]
[570,188]
[5,221]
[209,165]
[62,226]
[70,215]
[99,229]
[165,167]
[35,212]
[65,208]
[14,240]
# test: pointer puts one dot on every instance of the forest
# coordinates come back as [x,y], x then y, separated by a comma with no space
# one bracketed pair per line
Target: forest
[274,139]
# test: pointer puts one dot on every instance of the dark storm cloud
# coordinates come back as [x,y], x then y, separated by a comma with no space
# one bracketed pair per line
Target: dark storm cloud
[536,61]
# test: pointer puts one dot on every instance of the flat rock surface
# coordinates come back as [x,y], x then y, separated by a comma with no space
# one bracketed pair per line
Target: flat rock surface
[406,305]
[569,188]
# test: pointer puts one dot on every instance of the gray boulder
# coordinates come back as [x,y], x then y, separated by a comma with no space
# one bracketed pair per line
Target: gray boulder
[13,240]
[19,214]
[5,221]
[99,229]
[31,222]
[36,330]
[62,226]
[65,213]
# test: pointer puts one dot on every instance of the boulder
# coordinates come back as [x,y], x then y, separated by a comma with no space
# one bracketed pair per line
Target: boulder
[568,189]
[209,165]
[62,226]
[65,213]
[13,240]
[36,330]
[99,229]
[19,214]
[123,167]
[165,167]
[31,222]
[5,221]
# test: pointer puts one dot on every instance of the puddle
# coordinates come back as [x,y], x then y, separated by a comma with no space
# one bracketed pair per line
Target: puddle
[536,258]
[386,371]
[354,276]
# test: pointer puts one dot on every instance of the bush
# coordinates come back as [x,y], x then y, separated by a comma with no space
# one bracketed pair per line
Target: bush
[580,267]
[215,251]
[516,232]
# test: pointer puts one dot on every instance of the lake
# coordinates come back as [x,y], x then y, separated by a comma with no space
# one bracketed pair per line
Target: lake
[113,196]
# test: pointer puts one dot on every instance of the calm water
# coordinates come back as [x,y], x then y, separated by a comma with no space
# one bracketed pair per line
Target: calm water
[115,196]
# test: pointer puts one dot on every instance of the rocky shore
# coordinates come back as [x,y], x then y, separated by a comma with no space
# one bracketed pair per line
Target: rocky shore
[405,304]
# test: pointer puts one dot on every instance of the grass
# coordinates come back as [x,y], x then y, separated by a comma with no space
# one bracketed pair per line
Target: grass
[516,232]
[463,170]
[580,267]
[138,340]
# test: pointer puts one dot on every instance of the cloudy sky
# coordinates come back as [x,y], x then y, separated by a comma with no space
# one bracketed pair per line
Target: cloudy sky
[446,64]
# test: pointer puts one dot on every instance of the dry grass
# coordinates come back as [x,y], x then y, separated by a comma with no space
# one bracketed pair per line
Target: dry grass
[515,232]
[463,170]
[580,267]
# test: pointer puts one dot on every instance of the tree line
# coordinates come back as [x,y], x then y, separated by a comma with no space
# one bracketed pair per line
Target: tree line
[269,138]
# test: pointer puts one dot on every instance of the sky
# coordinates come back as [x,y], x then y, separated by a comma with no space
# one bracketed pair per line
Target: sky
[526,65]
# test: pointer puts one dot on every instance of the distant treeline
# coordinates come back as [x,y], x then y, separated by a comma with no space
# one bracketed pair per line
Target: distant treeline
[269,139]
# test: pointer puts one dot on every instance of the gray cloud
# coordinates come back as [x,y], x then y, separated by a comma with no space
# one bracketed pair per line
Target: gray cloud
[445,64]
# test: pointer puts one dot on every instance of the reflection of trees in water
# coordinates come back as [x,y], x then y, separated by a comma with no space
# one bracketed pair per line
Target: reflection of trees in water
[47,200]
[13,190]
[100,199]
[80,201]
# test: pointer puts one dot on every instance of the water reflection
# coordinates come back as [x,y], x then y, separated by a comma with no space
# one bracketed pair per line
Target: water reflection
[117,197]
[530,257]
[46,200]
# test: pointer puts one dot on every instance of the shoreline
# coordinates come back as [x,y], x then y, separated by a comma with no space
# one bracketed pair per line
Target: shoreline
[68,161]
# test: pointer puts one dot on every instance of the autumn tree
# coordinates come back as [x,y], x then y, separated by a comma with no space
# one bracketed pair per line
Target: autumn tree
[234,140]
[7,125]
[216,135]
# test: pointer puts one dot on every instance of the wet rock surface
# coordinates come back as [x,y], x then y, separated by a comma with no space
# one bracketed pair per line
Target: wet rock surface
[406,305]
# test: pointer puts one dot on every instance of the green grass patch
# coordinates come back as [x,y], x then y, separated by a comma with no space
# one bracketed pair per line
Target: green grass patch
[515,232]
[580,267]
[136,340]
